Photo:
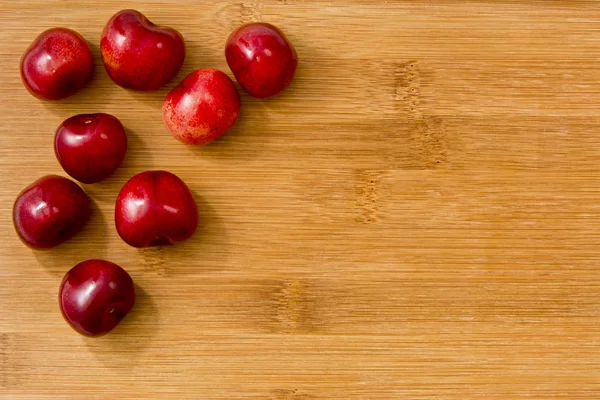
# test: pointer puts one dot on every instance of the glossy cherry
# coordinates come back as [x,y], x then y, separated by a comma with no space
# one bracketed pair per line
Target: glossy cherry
[261,58]
[49,211]
[95,295]
[155,208]
[57,64]
[202,107]
[138,54]
[90,147]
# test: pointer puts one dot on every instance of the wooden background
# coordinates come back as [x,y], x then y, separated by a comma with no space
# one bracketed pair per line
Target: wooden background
[417,217]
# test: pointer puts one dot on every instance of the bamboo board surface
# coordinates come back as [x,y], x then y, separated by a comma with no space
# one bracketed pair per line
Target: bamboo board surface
[417,217]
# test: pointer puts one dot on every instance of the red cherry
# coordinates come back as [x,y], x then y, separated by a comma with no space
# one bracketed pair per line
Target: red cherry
[57,64]
[155,208]
[202,107]
[261,58]
[138,54]
[95,295]
[49,211]
[90,147]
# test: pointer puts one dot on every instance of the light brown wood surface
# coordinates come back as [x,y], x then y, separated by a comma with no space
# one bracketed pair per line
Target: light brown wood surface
[417,217]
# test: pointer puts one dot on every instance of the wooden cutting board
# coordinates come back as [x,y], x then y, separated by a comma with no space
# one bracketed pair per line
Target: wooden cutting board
[417,217]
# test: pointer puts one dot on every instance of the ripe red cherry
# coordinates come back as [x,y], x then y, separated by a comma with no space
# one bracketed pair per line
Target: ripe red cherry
[57,64]
[155,208]
[139,55]
[202,107]
[90,147]
[261,58]
[49,211]
[95,295]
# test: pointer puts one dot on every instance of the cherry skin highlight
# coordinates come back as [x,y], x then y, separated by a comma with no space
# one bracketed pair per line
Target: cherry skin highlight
[261,58]
[95,295]
[50,211]
[90,147]
[155,208]
[138,54]
[202,107]
[57,64]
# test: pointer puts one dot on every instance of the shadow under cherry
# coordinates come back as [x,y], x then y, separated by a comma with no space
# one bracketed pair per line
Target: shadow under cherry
[90,243]
[132,337]
[206,251]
